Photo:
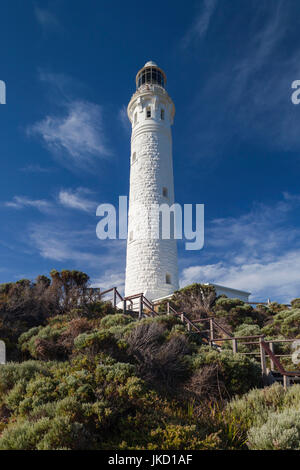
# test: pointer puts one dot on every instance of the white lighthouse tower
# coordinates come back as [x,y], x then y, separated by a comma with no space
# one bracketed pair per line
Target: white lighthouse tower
[151,265]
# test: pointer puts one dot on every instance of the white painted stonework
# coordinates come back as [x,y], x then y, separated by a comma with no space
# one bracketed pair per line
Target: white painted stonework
[151,265]
[2,353]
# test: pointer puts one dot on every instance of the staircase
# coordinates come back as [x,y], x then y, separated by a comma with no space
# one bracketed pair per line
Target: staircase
[215,335]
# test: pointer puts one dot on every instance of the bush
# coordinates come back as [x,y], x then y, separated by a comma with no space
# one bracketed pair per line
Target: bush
[12,373]
[253,409]
[237,372]
[160,360]
[99,341]
[285,323]
[295,303]
[235,311]
[196,300]
[117,319]
[280,432]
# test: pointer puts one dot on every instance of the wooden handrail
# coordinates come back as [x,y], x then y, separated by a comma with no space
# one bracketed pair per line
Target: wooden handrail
[266,346]
[106,291]
[116,293]
[277,362]
[222,329]
[134,296]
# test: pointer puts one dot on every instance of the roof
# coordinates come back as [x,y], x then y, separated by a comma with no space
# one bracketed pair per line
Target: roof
[227,288]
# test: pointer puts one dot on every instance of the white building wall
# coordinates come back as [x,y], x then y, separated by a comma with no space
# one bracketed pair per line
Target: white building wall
[149,261]
[231,293]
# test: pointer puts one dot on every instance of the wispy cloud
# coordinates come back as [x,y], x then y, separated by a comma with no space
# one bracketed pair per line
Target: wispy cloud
[36,169]
[77,134]
[123,118]
[258,252]
[247,97]
[110,279]
[201,24]
[76,199]
[278,279]
[46,18]
[81,248]
[60,244]
[21,202]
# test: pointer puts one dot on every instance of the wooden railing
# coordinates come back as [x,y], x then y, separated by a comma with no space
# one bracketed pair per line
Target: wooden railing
[116,295]
[266,347]
[145,307]
[214,335]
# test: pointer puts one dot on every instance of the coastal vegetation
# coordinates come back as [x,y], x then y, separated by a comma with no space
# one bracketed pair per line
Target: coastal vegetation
[84,375]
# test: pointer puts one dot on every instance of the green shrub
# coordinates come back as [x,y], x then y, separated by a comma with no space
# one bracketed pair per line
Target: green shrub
[281,431]
[235,311]
[285,323]
[253,409]
[295,303]
[238,373]
[117,319]
[188,437]
[12,373]
[99,341]
[196,300]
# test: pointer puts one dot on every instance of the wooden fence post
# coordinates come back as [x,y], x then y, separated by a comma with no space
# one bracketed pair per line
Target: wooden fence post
[124,307]
[286,382]
[168,308]
[234,346]
[211,330]
[182,317]
[115,297]
[2,352]
[271,346]
[141,307]
[262,357]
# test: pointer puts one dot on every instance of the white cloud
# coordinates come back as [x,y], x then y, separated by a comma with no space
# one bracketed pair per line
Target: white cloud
[202,22]
[46,18]
[33,168]
[78,134]
[123,118]
[20,202]
[278,279]
[58,242]
[249,92]
[110,279]
[258,252]
[75,199]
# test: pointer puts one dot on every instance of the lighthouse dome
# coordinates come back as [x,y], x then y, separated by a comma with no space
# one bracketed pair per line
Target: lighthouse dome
[151,74]
[150,63]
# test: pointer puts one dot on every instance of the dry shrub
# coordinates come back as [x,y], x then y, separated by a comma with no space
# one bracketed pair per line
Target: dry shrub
[48,350]
[205,384]
[159,362]
[76,327]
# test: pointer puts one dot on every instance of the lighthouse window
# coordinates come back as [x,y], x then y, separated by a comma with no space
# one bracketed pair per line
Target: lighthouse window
[148,113]
[165,192]
[133,157]
[168,279]
[162,114]
[151,75]
[135,118]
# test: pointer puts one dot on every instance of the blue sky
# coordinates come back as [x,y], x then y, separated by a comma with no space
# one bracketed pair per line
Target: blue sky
[69,68]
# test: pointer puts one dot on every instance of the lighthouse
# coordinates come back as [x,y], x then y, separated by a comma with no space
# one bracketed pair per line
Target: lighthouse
[151,263]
